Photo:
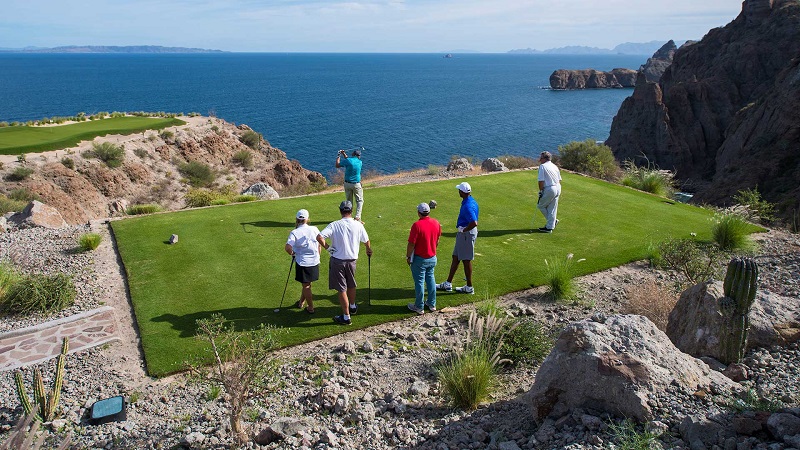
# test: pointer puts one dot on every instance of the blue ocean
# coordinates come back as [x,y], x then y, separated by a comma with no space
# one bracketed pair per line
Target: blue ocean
[406,110]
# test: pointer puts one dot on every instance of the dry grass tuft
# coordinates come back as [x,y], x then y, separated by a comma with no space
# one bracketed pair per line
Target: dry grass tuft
[651,300]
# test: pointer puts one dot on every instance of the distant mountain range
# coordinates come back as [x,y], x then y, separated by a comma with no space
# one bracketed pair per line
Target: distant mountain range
[628,48]
[109,49]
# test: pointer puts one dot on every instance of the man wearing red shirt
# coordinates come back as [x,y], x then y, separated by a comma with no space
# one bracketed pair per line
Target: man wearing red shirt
[421,256]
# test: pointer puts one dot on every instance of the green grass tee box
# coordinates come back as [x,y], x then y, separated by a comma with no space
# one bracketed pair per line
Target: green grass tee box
[23,139]
[230,259]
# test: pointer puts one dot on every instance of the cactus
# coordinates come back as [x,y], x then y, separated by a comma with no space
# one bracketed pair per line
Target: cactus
[45,404]
[739,288]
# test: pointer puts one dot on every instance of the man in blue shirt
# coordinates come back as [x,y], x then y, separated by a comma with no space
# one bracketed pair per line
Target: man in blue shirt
[464,250]
[352,179]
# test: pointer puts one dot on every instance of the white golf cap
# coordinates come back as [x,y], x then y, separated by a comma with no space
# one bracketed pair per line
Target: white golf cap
[464,187]
[302,214]
[423,208]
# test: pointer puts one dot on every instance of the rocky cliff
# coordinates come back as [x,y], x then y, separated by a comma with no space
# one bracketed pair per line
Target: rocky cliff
[592,79]
[725,114]
[657,64]
[83,188]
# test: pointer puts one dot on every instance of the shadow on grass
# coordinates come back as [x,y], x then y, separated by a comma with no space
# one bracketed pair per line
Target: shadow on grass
[494,233]
[266,224]
[383,302]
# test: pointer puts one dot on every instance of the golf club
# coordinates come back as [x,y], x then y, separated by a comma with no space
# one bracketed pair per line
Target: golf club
[369,280]
[287,285]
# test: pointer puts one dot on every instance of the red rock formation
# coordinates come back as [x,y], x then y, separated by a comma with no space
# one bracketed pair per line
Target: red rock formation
[150,172]
[725,113]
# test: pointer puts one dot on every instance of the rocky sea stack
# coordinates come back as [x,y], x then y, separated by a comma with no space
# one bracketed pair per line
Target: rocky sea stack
[724,115]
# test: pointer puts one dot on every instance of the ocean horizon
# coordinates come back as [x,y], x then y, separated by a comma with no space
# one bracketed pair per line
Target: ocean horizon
[408,110]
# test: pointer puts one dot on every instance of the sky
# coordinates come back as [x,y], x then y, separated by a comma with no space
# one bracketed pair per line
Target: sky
[359,25]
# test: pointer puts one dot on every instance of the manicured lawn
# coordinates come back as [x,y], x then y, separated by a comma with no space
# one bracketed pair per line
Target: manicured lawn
[230,259]
[24,139]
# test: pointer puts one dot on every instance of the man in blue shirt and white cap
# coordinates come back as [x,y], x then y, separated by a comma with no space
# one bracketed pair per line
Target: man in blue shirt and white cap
[464,251]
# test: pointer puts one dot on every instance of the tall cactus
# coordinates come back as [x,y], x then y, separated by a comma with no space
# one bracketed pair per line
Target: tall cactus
[739,288]
[44,403]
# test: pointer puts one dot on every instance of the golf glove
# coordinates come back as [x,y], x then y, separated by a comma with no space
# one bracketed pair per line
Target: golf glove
[460,229]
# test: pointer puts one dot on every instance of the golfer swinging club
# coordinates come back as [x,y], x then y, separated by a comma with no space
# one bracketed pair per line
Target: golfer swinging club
[345,235]
[352,178]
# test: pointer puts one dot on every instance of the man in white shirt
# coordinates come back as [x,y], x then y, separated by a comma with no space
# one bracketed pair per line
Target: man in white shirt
[345,235]
[549,191]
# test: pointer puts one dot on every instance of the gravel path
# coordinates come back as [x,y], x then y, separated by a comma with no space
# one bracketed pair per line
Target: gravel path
[384,373]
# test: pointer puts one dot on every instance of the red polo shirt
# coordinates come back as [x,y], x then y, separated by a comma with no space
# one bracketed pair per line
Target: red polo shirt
[425,235]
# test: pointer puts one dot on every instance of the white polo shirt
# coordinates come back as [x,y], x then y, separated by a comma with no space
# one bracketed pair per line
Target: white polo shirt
[345,236]
[303,240]
[549,173]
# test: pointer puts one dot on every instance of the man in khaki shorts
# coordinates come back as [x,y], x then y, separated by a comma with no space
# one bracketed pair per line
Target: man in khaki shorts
[345,235]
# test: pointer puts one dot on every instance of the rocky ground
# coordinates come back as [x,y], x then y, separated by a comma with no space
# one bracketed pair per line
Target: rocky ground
[374,388]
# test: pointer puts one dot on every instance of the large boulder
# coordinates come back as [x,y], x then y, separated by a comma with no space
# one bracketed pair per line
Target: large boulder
[617,365]
[459,165]
[262,191]
[695,321]
[493,165]
[37,214]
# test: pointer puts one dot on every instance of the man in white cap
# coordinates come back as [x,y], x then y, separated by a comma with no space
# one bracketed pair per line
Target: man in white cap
[549,191]
[421,257]
[345,235]
[303,246]
[464,251]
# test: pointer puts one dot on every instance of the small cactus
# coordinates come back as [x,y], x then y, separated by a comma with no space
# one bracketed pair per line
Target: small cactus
[739,288]
[45,404]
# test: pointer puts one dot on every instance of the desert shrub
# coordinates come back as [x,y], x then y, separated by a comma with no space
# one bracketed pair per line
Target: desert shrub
[140,152]
[39,293]
[251,139]
[628,437]
[303,188]
[434,169]
[490,307]
[749,400]
[756,207]
[731,233]
[336,177]
[695,261]
[19,174]
[22,195]
[469,376]
[244,363]
[590,158]
[220,201]
[89,241]
[517,162]
[166,135]
[651,300]
[8,277]
[112,155]
[149,208]
[151,137]
[197,173]
[9,205]
[197,198]
[528,342]
[244,198]
[68,162]
[243,158]
[649,179]
[559,278]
